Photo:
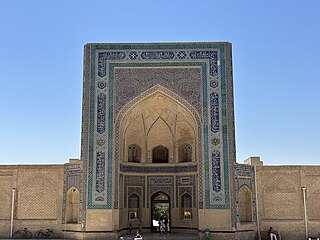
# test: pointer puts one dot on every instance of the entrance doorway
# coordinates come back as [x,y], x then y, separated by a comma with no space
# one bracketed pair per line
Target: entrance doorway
[160,212]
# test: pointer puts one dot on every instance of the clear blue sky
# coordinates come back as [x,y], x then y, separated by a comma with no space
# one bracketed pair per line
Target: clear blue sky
[276,49]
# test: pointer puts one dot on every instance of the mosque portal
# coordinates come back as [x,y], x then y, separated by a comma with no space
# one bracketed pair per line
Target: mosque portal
[158,136]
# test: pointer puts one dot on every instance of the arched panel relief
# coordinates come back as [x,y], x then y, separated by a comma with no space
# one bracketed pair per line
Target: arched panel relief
[282,197]
[134,153]
[245,177]
[185,153]
[134,140]
[134,201]
[160,154]
[245,204]
[134,185]
[72,205]
[5,200]
[313,196]
[72,179]
[185,206]
[186,184]
[37,199]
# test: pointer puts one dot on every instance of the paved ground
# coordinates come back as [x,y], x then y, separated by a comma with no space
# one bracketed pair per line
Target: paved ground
[165,236]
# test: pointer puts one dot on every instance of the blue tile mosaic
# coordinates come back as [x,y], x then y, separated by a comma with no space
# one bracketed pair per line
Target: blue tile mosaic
[213,59]
[102,61]
[100,169]
[157,55]
[216,171]
[101,113]
[157,169]
[214,105]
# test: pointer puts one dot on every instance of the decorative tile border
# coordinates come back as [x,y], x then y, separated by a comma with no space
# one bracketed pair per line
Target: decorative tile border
[158,169]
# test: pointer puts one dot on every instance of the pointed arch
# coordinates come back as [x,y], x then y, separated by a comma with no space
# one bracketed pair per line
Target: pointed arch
[160,154]
[245,204]
[157,88]
[151,120]
[134,206]
[134,201]
[160,119]
[160,196]
[185,153]
[134,153]
[72,205]
[185,206]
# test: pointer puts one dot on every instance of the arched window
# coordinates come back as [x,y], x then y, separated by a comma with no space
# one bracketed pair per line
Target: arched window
[72,205]
[185,153]
[160,154]
[186,206]
[245,204]
[134,153]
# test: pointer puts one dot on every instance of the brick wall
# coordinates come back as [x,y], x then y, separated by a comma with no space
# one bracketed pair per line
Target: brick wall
[38,197]
[280,199]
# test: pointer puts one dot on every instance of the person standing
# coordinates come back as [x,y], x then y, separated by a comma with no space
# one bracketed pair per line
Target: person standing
[162,225]
[140,226]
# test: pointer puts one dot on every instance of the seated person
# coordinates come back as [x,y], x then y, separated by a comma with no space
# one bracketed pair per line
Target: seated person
[272,235]
[138,236]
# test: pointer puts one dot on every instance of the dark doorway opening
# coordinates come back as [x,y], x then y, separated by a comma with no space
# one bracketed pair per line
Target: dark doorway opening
[160,212]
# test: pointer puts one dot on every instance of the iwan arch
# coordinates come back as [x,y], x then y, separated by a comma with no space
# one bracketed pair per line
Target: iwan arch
[158,132]
[157,119]
[159,140]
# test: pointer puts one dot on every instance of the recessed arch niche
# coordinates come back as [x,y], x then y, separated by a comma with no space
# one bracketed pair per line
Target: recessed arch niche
[72,205]
[157,120]
[245,204]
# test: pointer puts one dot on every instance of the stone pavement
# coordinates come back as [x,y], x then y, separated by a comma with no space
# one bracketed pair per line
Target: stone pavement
[165,236]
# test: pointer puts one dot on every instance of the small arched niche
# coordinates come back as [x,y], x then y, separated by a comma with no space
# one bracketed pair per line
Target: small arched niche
[133,207]
[134,201]
[72,205]
[160,154]
[134,153]
[186,206]
[185,153]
